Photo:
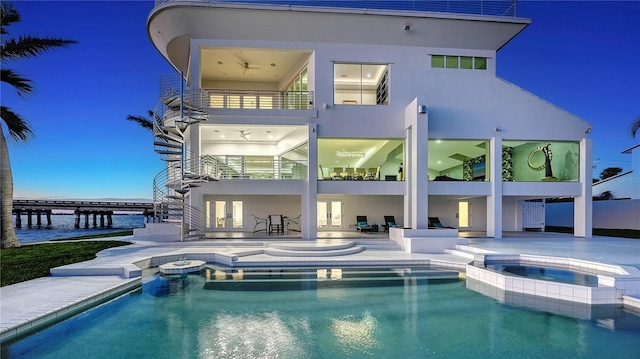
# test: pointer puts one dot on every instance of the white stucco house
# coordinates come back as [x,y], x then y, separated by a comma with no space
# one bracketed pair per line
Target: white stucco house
[309,112]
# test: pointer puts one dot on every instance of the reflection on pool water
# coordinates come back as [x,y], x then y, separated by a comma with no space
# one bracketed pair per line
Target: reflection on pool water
[546,273]
[178,317]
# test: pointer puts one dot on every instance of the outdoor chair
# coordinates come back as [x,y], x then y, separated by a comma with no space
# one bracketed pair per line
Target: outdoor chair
[434,222]
[362,225]
[259,223]
[389,221]
[276,224]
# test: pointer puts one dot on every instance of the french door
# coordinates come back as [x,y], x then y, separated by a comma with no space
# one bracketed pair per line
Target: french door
[329,215]
[226,215]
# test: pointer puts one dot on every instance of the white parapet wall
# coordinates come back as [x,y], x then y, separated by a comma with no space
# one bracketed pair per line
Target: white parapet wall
[425,240]
[163,232]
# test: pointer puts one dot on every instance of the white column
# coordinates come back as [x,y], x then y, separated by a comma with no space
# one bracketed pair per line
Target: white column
[494,201]
[583,205]
[416,168]
[308,225]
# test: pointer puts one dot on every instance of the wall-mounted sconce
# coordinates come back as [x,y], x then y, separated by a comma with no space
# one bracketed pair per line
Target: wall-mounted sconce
[588,130]
[407,27]
[422,109]
[325,106]
[498,129]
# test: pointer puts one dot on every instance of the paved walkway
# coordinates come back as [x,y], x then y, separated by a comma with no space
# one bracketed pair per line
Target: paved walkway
[35,303]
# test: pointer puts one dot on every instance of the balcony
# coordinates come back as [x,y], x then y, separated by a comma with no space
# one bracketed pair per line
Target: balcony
[260,99]
[252,167]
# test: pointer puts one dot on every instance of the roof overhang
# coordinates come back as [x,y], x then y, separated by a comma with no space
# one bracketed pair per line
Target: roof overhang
[172,24]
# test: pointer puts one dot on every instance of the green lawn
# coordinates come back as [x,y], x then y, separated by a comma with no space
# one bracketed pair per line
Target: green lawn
[34,261]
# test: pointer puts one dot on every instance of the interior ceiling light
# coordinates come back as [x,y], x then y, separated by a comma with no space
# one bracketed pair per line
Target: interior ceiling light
[350,154]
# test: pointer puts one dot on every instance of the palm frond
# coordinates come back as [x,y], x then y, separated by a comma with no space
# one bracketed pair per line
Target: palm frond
[21,84]
[8,15]
[142,121]
[19,129]
[635,126]
[29,46]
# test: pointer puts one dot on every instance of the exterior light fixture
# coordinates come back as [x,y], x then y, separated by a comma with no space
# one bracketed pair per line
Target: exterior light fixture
[422,109]
[588,130]
[498,129]
[407,27]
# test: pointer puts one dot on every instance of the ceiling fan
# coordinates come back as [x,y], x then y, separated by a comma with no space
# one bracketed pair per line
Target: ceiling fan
[244,135]
[246,67]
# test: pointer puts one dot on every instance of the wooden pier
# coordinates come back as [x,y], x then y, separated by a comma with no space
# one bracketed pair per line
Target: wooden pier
[80,208]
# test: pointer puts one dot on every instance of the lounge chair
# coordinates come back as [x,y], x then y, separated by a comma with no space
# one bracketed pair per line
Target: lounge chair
[362,225]
[389,221]
[434,222]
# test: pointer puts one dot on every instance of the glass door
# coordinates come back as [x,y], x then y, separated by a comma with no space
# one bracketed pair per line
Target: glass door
[464,214]
[329,215]
[227,215]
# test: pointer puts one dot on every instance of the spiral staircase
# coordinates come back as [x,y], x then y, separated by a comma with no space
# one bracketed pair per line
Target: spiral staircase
[180,106]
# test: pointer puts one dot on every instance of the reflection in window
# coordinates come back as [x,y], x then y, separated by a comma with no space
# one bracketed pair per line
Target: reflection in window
[361,84]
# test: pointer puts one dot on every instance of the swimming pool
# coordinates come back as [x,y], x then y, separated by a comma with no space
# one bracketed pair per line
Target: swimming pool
[178,317]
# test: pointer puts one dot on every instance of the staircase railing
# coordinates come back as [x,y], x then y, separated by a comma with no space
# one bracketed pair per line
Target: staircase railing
[180,107]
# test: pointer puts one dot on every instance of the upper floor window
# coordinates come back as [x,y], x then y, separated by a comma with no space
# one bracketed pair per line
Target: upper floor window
[459,62]
[297,95]
[361,84]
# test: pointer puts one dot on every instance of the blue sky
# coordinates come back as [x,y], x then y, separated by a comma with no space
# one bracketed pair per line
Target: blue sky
[582,56]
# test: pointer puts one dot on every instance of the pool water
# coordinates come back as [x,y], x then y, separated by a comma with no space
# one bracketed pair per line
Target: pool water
[547,273]
[178,317]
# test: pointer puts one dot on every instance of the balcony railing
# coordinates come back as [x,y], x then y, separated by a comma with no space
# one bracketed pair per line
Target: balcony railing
[255,167]
[505,8]
[260,100]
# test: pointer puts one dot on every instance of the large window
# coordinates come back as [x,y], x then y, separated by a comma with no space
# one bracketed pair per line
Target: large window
[529,161]
[361,84]
[350,159]
[459,160]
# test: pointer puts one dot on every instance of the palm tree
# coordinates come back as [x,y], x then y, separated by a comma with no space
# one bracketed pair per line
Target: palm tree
[143,121]
[635,126]
[19,130]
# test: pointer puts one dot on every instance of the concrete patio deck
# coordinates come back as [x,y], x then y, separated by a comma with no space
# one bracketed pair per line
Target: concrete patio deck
[72,289]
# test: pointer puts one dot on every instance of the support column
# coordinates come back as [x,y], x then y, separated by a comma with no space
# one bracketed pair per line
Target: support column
[101,219]
[48,213]
[95,217]
[86,219]
[583,205]
[18,218]
[39,218]
[29,219]
[494,201]
[77,221]
[309,222]
[416,168]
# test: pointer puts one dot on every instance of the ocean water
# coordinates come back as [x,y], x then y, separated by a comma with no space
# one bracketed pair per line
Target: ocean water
[62,226]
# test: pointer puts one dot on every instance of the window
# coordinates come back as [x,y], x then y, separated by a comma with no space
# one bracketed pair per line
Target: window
[466,62]
[437,61]
[297,96]
[361,84]
[452,62]
[458,62]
